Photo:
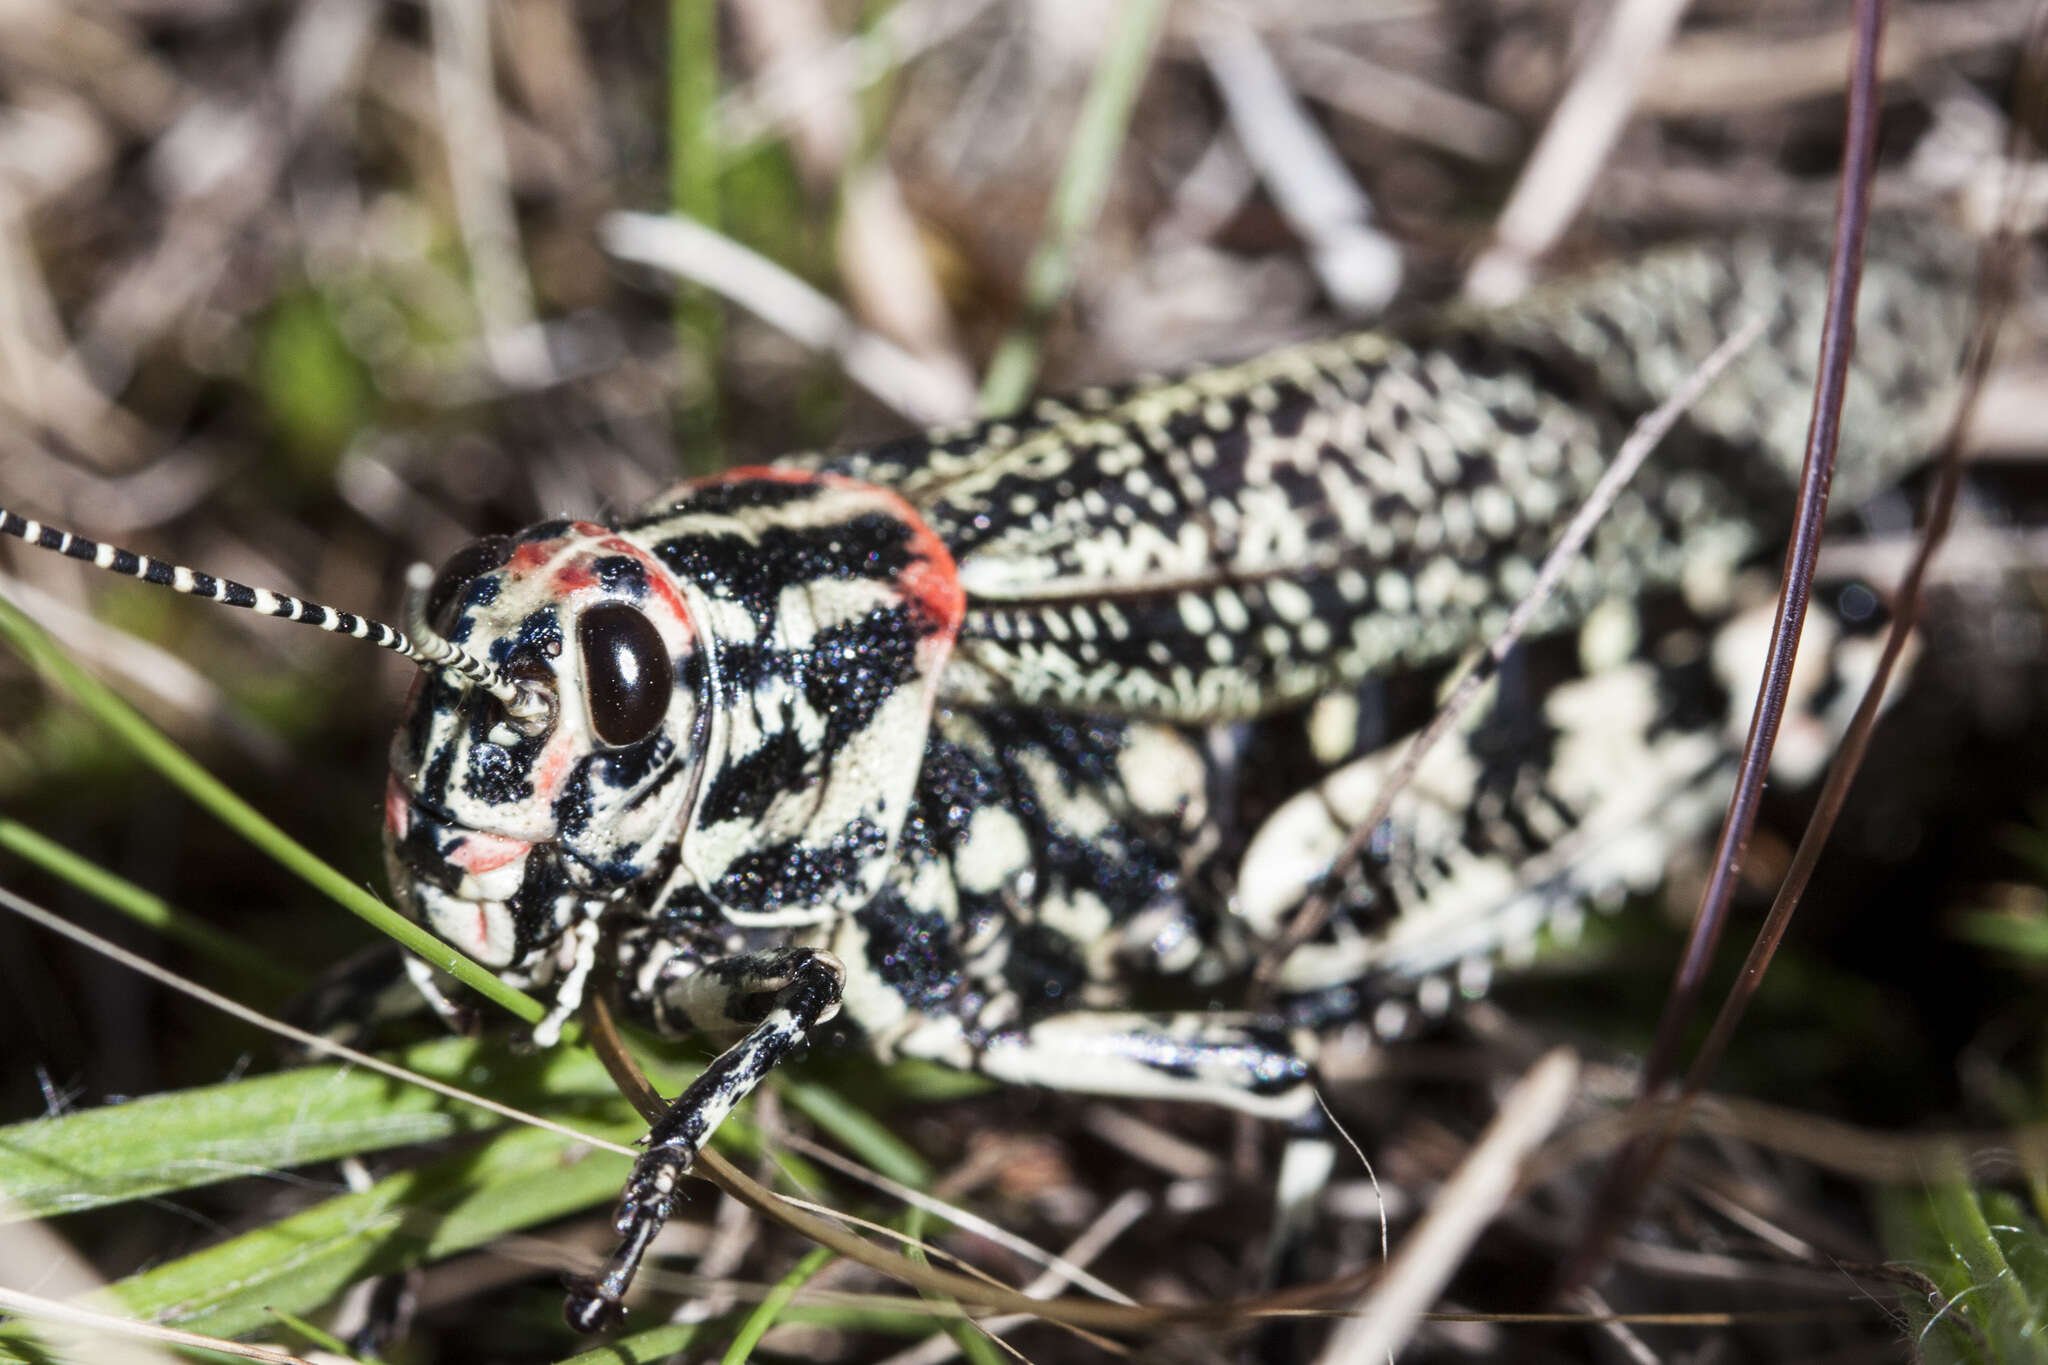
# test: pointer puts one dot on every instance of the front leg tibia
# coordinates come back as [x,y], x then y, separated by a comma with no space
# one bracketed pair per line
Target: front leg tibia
[785,994]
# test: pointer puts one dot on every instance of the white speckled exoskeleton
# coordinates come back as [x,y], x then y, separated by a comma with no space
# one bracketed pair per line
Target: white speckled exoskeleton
[945,739]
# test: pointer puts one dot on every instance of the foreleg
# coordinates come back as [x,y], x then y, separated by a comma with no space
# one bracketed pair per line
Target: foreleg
[784,994]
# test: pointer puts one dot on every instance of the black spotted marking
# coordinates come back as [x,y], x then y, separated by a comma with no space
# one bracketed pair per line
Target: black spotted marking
[744,495]
[575,803]
[430,836]
[747,786]
[1044,970]
[853,668]
[629,768]
[621,576]
[495,774]
[457,575]
[914,953]
[237,594]
[792,874]
[481,592]
[538,637]
[870,545]
[541,890]
[157,572]
[417,731]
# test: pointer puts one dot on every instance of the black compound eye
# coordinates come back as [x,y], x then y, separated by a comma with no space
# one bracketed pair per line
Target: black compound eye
[627,671]
[478,557]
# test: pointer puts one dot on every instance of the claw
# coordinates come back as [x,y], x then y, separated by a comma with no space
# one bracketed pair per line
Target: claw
[595,1302]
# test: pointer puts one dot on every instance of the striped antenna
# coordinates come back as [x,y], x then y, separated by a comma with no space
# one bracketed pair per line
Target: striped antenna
[527,704]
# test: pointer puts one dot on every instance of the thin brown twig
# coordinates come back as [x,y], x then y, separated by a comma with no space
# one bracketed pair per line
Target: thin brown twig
[959,1218]
[1997,268]
[1830,1145]
[1835,790]
[1631,1171]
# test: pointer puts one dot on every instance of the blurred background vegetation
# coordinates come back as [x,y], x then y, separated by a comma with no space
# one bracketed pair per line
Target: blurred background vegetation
[300,293]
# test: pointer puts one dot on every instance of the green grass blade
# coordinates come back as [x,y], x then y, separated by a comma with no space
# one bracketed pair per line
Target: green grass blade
[2020,935]
[325,1341]
[156,749]
[974,1344]
[190,1138]
[150,911]
[299,1263]
[663,1343]
[1989,1257]
[1076,199]
[770,1308]
[858,1131]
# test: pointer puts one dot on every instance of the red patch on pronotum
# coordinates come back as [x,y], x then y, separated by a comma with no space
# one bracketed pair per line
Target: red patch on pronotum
[763,473]
[932,579]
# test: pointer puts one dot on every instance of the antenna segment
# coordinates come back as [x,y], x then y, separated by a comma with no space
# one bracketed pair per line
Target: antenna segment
[527,704]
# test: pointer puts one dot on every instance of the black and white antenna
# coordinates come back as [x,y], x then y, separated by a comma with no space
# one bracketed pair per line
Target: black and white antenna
[525,703]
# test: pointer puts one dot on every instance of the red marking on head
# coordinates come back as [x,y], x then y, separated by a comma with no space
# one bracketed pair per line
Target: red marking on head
[660,583]
[479,853]
[483,929]
[530,556]
[551,768]
[397,809]
[574,577]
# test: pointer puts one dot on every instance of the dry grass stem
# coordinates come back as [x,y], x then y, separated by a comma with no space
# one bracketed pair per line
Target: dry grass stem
[1574,146]
[1359,266]
[326,1047]
[1470,1200]
[1061,1272]
[1715,73]
[694,252]
[475,142]
[122,1341]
